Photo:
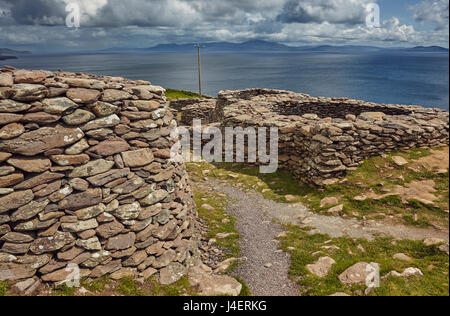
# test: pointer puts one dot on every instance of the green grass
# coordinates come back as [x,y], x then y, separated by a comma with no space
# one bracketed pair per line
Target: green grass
[182,287]
[245,290]
[96,286]
[376,174]
[435,281]
[64,290]
[4,288]
[173,94]
[214,219]
[128,287]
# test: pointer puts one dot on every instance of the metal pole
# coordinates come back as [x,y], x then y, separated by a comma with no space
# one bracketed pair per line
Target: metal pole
[199,72]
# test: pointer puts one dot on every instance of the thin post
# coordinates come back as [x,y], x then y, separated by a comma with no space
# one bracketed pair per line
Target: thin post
[199,72]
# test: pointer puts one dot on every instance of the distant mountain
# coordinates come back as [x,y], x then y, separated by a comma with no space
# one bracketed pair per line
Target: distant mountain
[430,49]
[12,51]
[7,57]
[266,46]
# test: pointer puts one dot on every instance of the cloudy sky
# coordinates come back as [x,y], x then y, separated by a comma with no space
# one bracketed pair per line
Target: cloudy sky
[41,24]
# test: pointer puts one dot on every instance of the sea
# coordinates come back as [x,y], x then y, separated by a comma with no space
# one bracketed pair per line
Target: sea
[411,78]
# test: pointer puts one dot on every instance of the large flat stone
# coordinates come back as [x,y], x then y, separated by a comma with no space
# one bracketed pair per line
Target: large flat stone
[15,200]
[33,165]
[41,140]
[82,200]
[92,168]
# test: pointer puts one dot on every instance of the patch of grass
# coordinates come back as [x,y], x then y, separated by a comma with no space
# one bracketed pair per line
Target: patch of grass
[173,94]
[128,287]
[218,221]
[433,263]
[245,290]
[182,287]
[276,186]
[97,285]
[4,288]
[64,290]
[376,175]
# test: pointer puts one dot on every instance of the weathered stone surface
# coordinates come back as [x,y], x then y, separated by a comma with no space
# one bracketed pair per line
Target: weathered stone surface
[14,272]
[63,275]
[110,229]
[154,197]
[110,267]
[165,259]
[163,232]
[329,201]
[80,95]
[29,92]
[129,186]
[138,158]
[107,177]
[11,130]
[89,244]
[70,160]
[82,200]
[26,76]
[92,168]
[213,285]
[10,106]
[4,156]
[356,274]
[322,267]
[79,226]
[399,161]
[121,242]
[6,118]
[110,147]
[6,79]
[51,244]
[145,105]
[123,273]
[77,148]
[10,180]
[40,118]
[111,95]
[49,189]
[96,259]
[128,211]
[17,238]
[33,165]
[84,83]
[34,225]
[15,200]
[58,106]
[78,117]
[41,140]
[15,249]
[136,259]
[43,178]
[90,212]
[29,210]
[102,109]
[109,121]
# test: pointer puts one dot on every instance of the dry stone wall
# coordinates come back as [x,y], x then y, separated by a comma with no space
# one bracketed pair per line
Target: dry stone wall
[321,139]
[86,179]
[187,110]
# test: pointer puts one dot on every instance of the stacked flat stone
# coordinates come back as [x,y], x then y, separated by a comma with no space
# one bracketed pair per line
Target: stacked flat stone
[321,139]
[86,178]
[189,110]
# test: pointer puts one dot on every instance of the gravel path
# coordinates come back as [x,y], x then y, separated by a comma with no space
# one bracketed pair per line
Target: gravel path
[266,269]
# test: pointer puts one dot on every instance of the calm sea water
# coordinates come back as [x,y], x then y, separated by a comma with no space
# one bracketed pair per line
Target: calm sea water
[409,78]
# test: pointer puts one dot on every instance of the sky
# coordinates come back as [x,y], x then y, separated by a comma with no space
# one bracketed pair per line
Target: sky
[40,25]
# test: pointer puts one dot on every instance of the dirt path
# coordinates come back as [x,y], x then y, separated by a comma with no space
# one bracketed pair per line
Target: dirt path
[266,269]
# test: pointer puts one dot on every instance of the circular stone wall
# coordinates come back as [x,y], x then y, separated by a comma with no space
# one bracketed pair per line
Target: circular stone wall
[86,179]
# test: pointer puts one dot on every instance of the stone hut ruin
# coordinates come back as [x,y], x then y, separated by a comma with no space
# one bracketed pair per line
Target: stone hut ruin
[321,139]
[86,178]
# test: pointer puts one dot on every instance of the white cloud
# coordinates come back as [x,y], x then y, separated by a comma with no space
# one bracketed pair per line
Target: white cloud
[436,11]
